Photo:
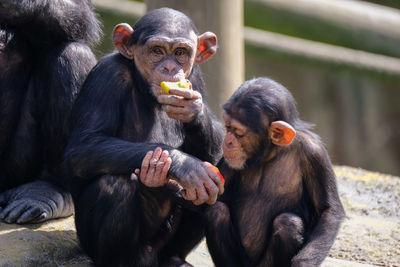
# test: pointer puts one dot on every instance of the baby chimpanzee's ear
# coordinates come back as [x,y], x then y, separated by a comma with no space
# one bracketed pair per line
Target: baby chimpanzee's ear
[121,34]
[281,133]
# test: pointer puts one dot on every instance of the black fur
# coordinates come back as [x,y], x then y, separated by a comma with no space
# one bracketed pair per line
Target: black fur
[282,208]
[116,121]
[44,58]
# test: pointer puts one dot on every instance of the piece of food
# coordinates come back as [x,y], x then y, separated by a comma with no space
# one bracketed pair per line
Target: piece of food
[216,170]
[166,86]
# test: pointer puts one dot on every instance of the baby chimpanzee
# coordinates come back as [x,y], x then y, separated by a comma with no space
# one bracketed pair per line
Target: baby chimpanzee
[281,206]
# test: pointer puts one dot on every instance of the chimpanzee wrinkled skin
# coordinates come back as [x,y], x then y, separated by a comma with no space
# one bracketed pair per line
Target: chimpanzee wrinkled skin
[45,57]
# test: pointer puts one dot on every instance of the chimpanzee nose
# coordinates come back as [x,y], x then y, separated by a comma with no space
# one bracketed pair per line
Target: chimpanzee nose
[169,67]
[229,138]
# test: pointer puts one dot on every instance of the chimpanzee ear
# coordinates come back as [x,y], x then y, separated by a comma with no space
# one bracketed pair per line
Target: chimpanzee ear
[121,34]
[281,133]
[207,46]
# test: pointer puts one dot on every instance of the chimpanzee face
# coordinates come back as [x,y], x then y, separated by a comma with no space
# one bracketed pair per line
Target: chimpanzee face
[167,46]
[240,142]
[162,58]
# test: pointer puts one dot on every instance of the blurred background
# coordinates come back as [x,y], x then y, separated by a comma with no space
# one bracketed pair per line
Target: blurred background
[340,59]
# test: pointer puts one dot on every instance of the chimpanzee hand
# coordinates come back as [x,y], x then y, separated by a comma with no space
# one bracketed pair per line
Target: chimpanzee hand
[200,184]
[155,167]
[182,104]
[34,202]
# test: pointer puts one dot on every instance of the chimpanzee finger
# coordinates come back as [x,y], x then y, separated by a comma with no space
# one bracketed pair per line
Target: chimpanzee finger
[160,176]
[42,217]
[165,170]
[202,196]
[29,215]
[217,181]
[187,94]
[134,176]
[3,200]
[13,211]
[149,179]
[145,164]
[212,191]
[178,113]
[171,110]
[189,194]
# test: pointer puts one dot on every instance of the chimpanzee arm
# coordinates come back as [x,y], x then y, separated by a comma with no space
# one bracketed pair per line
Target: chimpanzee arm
[204,134]
[46,21]
[321,187]
[95,148]
[68,67]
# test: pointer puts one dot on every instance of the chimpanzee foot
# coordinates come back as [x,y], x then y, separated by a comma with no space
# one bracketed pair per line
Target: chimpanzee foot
[34,202]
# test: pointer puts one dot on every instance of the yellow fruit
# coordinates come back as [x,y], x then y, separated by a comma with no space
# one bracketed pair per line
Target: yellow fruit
[166,86]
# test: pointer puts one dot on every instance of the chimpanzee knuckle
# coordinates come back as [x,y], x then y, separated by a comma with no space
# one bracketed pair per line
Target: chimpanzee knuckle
[211,200]
[157,151]
[165,154]
[213,190]
[193,173]
[202,198]
[160,165]
[190,194]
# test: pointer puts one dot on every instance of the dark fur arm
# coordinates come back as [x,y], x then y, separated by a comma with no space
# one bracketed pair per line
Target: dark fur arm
[95,147]
[329,213]
[66,70]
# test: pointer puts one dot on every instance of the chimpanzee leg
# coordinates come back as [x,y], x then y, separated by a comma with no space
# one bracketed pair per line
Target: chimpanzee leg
[222,240]
[108,223]
[189,233]
[287,239]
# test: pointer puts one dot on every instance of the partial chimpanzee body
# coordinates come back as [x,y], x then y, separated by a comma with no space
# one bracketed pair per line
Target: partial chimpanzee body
[119,116]
[44,58]
[281,206]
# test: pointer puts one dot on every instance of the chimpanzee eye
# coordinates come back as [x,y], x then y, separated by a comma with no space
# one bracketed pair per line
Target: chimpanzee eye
[180,52]
[239,134]
[157,51]
[181,55]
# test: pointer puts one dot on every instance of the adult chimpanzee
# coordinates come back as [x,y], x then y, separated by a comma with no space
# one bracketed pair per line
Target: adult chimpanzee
[119,116]
[44,58]
[281,206]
